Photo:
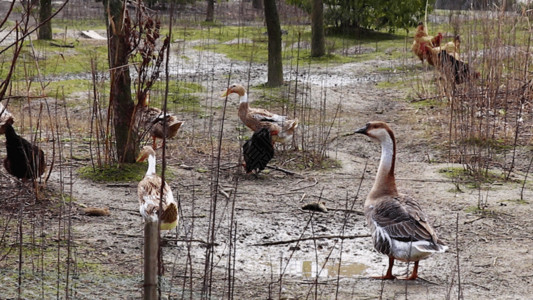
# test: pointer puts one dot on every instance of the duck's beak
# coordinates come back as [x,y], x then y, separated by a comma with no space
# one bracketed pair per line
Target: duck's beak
[226,93]
[361,130]
[141,157]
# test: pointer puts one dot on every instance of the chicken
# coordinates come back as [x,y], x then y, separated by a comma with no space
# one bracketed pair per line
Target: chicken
[258,150]
[5,117]
[455,69]
[24,160]
[423,41]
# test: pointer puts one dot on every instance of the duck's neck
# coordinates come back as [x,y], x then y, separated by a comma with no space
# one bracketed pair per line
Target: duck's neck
[151,166]
[385,183]
[243,98]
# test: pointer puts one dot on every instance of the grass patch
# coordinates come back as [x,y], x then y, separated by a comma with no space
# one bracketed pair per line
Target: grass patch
[56,61]
[470,179]
[120,173]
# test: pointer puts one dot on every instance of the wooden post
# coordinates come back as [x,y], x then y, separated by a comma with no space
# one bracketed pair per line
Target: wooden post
[150,260]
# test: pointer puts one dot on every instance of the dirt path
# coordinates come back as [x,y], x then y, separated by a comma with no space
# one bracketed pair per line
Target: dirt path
[493,250]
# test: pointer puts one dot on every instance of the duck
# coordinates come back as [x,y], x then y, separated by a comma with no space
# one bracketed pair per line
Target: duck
[399,227]
[258,151]
[149,192]
[24,160]
[153,120]
[281,127]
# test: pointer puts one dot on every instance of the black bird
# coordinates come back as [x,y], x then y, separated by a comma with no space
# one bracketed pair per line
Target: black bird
[459,70]
[258,150]
[24,160]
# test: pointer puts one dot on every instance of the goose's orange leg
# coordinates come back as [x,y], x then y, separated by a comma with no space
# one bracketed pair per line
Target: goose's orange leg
[414,275]
[389,275]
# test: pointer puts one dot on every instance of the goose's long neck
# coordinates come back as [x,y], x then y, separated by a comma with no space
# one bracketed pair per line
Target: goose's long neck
[243,98]
[151,166]
[385,183]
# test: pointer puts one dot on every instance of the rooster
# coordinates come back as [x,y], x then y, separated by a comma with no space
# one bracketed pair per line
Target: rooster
[423,42]
[24,160]
[258,150]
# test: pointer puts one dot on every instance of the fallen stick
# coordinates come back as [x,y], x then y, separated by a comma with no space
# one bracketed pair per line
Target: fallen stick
[328,237]
[284,171]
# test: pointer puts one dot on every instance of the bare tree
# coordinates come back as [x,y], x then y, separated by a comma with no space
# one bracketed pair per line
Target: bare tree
[45,11]
[257,4]
[210,16]
[275,63]
[121,102]
[318,47]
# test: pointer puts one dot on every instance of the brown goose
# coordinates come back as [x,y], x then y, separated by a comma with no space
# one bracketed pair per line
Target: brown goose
[399,227]
[281,127]
[149,192]
[152,120]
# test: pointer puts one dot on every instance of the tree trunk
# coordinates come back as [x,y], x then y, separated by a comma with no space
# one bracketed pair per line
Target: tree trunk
[210,16]
[275,64]
[318,47]
[45,11]
[257,4]
[120,90]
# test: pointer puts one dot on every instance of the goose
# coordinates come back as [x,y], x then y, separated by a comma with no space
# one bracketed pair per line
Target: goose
[149,192]
[281,127]
[152,120]
[399,227]
[24,160]
[258,151]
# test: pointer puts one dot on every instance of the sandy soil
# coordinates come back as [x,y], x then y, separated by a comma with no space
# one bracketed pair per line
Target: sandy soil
[489,257]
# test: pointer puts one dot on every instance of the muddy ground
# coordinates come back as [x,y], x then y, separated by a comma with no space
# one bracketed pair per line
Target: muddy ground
[278,250]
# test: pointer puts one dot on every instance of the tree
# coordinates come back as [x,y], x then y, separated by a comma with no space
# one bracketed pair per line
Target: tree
[275,64]
[318,47]
[45,11]
[257,4]
[374,14]
[210,17]
[121,102]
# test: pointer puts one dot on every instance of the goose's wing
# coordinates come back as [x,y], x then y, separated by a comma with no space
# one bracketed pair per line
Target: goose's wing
[403,220]
[260,114]
[149,192]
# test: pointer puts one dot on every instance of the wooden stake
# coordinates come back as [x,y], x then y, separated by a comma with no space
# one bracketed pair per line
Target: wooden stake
[150,260]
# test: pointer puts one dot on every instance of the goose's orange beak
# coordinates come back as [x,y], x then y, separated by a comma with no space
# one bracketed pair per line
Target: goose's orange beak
[226,93]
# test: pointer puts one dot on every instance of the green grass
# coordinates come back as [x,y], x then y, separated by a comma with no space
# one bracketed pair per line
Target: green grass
[470,179]
[57,61]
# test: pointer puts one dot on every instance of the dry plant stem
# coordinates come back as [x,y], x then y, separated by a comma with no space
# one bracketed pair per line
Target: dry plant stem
[459,287]
[525,179]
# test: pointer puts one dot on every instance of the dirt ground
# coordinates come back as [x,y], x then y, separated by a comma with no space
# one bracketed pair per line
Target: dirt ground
[276,249]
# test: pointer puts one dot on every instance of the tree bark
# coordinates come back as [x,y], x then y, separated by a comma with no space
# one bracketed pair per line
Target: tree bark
[318,44]
[120,90]
[275,64]
[45,11]
[257,4]
[210,15]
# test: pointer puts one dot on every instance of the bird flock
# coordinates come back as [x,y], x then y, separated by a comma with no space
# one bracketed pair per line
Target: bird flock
[400,229]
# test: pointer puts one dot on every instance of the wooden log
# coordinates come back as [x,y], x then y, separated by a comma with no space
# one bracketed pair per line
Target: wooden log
[151,246]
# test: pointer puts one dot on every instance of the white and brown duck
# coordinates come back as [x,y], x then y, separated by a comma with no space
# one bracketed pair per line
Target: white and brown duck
[281,127]
[153,120]
[400,229]
[149,192]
